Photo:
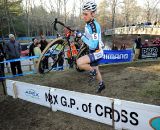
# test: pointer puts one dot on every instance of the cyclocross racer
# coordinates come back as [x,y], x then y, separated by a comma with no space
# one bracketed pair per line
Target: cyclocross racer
[92,38]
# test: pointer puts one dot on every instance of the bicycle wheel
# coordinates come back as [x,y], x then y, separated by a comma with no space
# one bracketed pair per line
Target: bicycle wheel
[50,56]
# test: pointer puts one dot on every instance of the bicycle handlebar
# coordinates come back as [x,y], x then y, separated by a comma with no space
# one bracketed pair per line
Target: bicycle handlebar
[55,25]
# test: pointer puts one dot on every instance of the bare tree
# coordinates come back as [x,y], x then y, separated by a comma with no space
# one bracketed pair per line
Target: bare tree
[102,13]
[150,8]
[113,5]
[128,8]
[65,10]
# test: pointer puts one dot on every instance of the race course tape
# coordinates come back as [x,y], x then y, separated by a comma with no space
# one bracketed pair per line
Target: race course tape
[20,59]
[120,114]
[23,59]
[17,75]
[30,73]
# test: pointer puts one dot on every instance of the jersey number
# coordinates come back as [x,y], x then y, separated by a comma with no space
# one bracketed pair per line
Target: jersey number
[95,36]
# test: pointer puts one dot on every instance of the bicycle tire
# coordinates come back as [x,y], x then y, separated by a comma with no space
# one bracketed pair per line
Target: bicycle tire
[40,61]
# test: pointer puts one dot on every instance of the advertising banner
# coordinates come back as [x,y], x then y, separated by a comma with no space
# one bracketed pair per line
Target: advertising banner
[150,52]
[118,113]
[136,116]
[112,56]
[92,107]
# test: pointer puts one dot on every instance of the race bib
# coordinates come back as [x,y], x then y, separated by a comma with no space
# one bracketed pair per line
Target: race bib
[98,55]
[95,36]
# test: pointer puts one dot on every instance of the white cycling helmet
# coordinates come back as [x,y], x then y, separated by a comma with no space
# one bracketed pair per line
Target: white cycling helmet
[92,6]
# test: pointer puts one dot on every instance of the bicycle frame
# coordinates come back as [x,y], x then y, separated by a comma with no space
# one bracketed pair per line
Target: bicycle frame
[64,41]
[55,27]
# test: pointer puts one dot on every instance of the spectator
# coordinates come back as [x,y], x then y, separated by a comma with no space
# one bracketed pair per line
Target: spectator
[31,48]
[2,55]
[155,23]
[61,61]
[58,35]
[13,51]
[157,41]
[146,43]
[158,23]
[73,56]
[37,52]
[44,43]
[123,47]
[3,45]
[114,47]
[138,47]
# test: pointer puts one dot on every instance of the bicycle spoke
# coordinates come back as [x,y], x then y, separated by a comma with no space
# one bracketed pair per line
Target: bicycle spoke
[51,57]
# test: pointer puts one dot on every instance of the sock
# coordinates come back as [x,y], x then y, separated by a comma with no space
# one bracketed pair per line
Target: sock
[100,83]
[93,72]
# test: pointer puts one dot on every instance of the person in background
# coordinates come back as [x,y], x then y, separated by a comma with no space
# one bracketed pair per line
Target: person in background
[6,64]
[73,49]
[138,46]
[2,56]
[44,44]
[155,23]
[37,52]
[157,41]
[123,47]
[31,48]
[61,61]
[13,51]
[146,43]
[73,56]
[31,51]
[114,47]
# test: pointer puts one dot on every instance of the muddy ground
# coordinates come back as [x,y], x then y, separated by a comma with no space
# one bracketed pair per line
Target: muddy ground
[138,82]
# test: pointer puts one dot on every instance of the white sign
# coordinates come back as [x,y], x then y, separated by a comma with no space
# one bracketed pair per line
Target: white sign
[29,92]
[118,113]
[84,105]
[135,116]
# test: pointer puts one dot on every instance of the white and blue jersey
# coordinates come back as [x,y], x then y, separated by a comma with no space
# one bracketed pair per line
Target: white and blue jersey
[93,39]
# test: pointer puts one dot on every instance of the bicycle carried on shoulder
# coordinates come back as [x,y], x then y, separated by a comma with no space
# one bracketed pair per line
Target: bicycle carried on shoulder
[56,49]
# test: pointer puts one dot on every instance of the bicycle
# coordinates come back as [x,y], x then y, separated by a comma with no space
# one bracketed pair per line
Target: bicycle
[56,49]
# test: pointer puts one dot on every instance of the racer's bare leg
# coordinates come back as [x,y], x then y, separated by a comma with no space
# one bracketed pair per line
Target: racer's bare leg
[98,76]
[84,63]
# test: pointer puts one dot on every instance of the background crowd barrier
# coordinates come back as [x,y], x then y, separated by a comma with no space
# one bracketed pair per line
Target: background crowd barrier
[27,38]
[109,57]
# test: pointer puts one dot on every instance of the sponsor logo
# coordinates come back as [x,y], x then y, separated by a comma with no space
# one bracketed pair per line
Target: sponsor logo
[32,93]
[149,52]
[98,55]
[155,123]
[116,56]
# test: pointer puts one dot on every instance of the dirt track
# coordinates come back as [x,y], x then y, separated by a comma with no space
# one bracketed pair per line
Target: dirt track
[138,82]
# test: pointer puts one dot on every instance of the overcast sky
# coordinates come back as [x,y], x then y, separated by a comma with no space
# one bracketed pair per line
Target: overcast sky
[47,5]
